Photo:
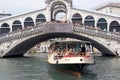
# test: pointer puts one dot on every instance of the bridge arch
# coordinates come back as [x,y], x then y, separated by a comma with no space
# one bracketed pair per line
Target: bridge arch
[17,25]
[56,8]
[89,21]
[102,23]
[23,46]
[5,28]
[77,18]
[60,15]
[28,22]
[40,18]
[115,26]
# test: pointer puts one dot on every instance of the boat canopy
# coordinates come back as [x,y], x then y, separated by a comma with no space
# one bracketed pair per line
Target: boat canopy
[70,41]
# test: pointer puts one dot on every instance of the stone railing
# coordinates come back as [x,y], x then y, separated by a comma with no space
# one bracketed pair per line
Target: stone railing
[39,28]
[21,34]
[44,28]
[96,32]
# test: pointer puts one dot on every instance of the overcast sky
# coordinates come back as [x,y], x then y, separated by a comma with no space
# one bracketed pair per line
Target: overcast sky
[22,6]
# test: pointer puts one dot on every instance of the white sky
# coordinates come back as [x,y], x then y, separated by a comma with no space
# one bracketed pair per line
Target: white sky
[23,6]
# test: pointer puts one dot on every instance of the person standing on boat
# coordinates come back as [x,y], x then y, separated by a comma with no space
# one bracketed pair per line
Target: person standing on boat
[83,50]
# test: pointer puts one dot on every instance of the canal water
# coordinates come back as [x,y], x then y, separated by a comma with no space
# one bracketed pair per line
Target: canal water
[36,68]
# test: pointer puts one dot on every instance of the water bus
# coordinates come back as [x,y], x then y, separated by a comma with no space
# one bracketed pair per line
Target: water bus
[70,56]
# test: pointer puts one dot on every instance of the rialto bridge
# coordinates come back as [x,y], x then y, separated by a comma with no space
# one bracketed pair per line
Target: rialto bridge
[18,43]
[20,33]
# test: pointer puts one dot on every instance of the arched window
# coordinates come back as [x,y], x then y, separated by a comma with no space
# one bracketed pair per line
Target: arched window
[28,22]
[89,21]
[40,19]
[102,24]
[4,28]
[77,18]
[16,25]
[114,26]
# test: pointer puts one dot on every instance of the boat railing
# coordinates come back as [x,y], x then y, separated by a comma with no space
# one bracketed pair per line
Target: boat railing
[58,57]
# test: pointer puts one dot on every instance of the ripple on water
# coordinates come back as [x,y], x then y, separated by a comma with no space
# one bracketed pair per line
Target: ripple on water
[106,68]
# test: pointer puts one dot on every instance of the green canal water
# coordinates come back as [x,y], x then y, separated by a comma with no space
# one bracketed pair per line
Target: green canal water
[36,68]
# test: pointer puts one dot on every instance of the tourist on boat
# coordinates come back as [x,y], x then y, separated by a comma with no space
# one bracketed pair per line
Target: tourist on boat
[89,53]
[69,53]
[83,50]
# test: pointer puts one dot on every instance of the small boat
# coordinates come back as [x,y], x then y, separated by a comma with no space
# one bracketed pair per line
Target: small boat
[70,55]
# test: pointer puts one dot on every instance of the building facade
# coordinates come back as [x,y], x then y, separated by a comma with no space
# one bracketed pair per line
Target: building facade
[112,8]
[3,15]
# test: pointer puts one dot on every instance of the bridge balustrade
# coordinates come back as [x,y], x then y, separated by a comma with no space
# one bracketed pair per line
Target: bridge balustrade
[95,32]
[38,29]
[21,34]
[31,31]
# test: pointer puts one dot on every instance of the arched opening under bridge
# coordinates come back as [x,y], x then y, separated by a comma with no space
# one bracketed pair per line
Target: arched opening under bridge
[27,44]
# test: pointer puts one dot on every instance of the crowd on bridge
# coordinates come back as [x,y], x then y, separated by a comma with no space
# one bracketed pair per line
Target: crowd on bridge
[75,24]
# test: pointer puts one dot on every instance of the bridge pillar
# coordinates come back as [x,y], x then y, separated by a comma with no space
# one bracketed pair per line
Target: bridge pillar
[48,16]
[118,51]
[10,24]
[69,13]
[108,27]
[83,19]
[96,24]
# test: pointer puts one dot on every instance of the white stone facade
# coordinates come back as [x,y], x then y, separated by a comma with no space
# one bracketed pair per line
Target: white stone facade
[112,8]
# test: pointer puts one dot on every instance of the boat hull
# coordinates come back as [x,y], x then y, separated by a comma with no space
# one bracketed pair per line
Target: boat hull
[75,69]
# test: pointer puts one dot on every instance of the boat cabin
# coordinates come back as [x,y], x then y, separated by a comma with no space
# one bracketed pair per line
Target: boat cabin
[74,48]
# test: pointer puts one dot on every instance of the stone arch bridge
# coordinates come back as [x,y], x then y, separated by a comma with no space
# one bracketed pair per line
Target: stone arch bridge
[17,43]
